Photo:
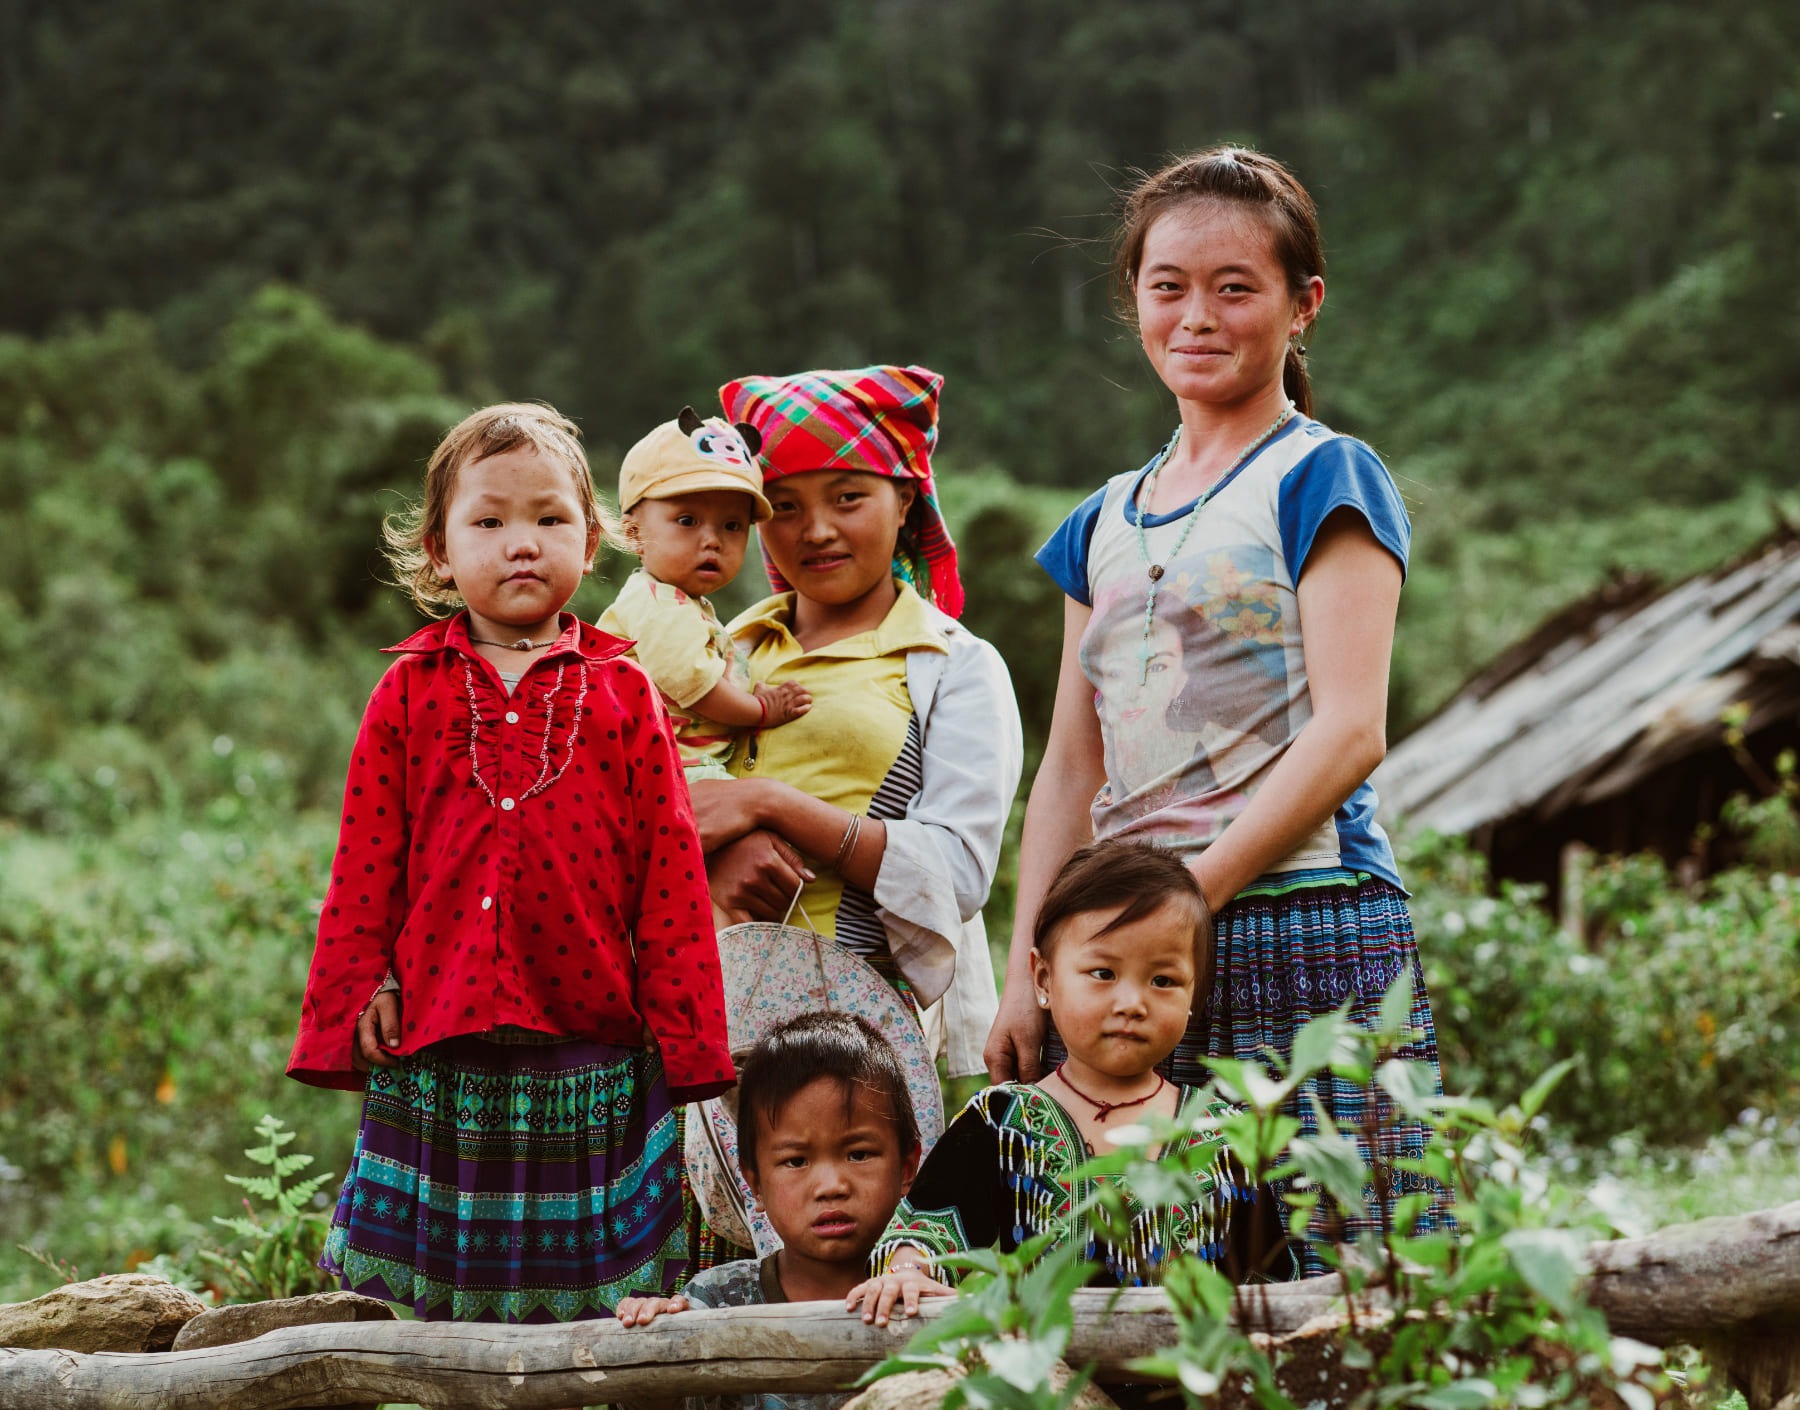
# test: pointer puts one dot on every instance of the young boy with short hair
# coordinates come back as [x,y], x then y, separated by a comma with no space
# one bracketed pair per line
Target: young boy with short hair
[689,491]
[829,1144]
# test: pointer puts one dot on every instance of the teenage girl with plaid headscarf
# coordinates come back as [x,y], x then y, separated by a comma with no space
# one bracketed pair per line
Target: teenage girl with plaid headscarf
[883,808]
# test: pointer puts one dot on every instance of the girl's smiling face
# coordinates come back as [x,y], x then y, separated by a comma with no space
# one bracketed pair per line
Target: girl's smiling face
[1214,308]
[832,535]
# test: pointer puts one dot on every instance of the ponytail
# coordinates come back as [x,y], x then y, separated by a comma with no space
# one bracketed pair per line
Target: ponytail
[1295,382]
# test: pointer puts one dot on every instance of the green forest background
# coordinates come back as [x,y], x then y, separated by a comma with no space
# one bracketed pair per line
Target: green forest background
[254,258]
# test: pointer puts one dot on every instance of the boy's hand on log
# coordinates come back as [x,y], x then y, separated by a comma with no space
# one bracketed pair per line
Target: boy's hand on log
[642,1311]
[378,1032]
[898,1291]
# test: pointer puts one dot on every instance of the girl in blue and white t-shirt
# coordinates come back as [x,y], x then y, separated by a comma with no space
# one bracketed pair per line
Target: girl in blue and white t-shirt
[1229,617]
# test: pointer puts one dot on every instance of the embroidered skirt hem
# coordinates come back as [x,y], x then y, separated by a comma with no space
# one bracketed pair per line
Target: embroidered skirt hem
[508,1182]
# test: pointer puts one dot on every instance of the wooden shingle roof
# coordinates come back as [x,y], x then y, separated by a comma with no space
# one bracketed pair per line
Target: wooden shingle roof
[1605,694]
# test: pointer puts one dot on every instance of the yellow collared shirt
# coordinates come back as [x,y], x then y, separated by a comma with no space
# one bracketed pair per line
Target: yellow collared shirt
[843,749]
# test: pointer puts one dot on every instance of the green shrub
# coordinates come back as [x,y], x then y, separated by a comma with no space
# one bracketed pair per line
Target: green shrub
[1682,1008]
[151,985]
[1490,1311]
[279,1239]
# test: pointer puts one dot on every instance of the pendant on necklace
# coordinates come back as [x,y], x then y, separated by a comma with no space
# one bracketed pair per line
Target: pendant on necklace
[1156,572]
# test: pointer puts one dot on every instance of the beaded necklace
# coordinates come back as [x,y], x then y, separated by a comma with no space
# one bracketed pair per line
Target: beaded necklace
[1148,491]
[545,778]
[1105,1109]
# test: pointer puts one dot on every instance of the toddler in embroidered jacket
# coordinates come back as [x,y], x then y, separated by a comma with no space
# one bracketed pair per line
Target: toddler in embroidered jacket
[691,490]
[518,857]
[1122,943]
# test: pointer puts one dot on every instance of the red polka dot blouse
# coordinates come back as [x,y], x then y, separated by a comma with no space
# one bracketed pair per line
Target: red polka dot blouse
[527,859]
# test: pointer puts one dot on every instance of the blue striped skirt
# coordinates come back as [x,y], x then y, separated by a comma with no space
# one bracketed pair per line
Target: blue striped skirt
[513,1181]
[1294,946]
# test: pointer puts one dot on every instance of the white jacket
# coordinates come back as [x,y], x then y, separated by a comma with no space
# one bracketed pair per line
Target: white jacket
[942,855]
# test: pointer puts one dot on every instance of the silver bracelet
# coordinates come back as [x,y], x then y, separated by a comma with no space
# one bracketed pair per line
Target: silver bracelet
[847,847]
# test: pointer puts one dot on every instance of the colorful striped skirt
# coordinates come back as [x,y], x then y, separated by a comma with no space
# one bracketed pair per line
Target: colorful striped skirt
[530,1180]
[1291,947]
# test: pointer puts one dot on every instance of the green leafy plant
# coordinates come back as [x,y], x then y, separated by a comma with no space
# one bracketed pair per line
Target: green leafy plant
[1769,825]
[1005,1333]
[280,1243]
[1487,1312]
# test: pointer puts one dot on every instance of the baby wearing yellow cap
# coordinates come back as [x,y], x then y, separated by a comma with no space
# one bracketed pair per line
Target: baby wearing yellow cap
[690,490]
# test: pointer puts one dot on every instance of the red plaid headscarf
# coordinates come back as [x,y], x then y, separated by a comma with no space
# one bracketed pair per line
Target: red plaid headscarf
[882,420]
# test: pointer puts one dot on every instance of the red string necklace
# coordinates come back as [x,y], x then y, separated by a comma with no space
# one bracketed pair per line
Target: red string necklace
[1105,1109]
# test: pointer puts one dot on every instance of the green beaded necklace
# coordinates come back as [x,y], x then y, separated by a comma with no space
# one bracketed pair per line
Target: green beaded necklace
[1148,491]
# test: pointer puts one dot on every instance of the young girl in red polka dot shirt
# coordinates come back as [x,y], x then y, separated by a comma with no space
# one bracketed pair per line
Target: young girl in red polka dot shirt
[517,943]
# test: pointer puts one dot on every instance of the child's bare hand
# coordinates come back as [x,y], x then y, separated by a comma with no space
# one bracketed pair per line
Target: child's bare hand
[787,701]
[642,1311]
[377,1031]
[894,1292]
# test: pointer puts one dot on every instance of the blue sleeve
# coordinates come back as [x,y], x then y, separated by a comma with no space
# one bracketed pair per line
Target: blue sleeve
[1341,474]
[1064,555]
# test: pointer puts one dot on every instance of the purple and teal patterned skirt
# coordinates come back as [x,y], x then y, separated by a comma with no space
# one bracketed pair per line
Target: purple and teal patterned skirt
[532,1180]
[1291,947]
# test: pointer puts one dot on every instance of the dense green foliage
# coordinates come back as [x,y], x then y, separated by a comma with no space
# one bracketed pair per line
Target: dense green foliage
[617,206]
[244,286]
[1563,281]
[188,553]
[151,982]
[1684,1008]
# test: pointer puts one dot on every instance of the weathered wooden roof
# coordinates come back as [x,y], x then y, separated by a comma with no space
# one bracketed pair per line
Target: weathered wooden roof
[1605,694]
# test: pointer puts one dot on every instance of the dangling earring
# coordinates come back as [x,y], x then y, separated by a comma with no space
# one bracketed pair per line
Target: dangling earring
[1297,345]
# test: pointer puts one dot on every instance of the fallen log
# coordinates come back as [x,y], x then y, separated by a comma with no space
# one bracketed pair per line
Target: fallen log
[1691,1280]
[795,1347]
[1731,1284]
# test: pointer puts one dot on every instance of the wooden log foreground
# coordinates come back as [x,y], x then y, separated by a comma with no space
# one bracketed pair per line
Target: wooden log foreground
[1732,1284]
